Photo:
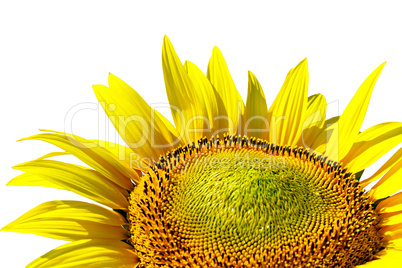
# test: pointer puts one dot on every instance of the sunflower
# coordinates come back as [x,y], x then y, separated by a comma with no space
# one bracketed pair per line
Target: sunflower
[230,185]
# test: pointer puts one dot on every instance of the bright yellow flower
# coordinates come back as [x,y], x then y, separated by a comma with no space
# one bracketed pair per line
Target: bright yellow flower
[230,185]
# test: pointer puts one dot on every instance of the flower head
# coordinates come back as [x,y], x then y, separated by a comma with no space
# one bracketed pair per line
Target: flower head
[229,185]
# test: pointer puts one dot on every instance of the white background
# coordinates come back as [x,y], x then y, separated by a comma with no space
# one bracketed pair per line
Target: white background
[51,52]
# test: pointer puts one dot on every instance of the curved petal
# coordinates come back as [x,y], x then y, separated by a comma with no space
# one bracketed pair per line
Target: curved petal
[372,144]
[91,154]
[88,253]
[315,119]
[70,220]
[391,232]
[352,118]
[210,99]
[387,258]
[329,129]
[390,183]
[391,218]
[387,166]
[52,154]
[188,111]
[137,123]
[80,180]
[219,75]
[255,112]
[391,204]
[287,113]
[395,244]
[128,159]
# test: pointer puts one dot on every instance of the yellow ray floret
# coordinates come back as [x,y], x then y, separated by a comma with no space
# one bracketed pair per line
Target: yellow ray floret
[288,111]
[93,253]
[351,119]
[70,220]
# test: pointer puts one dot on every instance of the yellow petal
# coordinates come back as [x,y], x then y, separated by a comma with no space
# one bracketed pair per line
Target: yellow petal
[137,123]
[74,210]
[288,110]
[387,258]
[170,129]
[390,183]
[70,220]
[372,144]
[187,108]
[391,204]
[214,105]
[387,166]
[391,232]
[88,253]
[315,119]
[53,154]
[395,244]
[329,129]
[391,218]
[128,159]
[91,154]
[255,113]
[80,180]
[219,75]
[352,118]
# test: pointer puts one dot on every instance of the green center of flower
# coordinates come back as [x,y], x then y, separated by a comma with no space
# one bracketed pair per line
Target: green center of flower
[249,204]
[240,199]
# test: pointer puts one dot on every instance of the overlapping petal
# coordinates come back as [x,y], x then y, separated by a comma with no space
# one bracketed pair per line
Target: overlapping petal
[288,111]
[350,121]
[219,76]
[384,168]
[387,258]
[92,253]
[390,183]
[80,180]
[214,106]
[315,119]
[142,129]
[373,143]
[255,121]
[100,159]
[391,204]
[190,113]
[70,220]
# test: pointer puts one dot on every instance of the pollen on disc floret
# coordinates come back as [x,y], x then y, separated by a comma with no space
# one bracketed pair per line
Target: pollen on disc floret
[240,202]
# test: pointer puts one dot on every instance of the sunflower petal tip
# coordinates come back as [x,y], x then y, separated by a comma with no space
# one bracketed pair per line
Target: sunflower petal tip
[23,139]
[8,227]
[216,51]
[381,66]
[15,167]
[9,184]
[166,42]
[378,70]
[304,62]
